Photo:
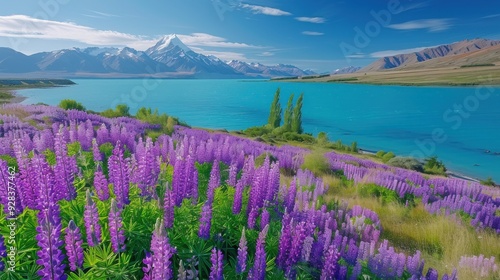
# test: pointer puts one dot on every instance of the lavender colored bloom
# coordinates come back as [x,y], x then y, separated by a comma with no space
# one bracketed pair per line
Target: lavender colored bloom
[307,248]
[116,228]
[101,185]
[148,266]
[432,274]
[330,264]
[74,247]
[168,207]
[297,242]
[91,218]
[252,218]
[205,221]
[233,172]
[241,265]
[214,181]
[95,151]
[285,243]
[264,218]
[3,252]
[119,175]
[258,271]
[238,197]
[217,266]
[162,253]
[50,256]
[65,169]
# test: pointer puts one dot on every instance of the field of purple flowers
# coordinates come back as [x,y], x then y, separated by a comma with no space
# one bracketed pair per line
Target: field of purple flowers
[90,197]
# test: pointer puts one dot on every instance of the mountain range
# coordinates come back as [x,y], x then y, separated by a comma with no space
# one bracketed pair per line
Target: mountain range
[476,51]
[169,57]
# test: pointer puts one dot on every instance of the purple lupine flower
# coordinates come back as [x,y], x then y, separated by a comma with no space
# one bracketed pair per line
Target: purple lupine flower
[217,266]
[205,221]
[238,197]
[95,151]
[214,181]
[258,271]
[162,253]
[289,202]
[415,265]
[233,172]
[241,265]
[297,242]
[432,274]
[307,248]
[65,169]
[101,185]
[3,252]
[74,247]
[168,207]
[91,218]
[50,256]
[252,217]
[330,264]
[148,266]
[119,175]
[285,242]
[264,219]
[116,231]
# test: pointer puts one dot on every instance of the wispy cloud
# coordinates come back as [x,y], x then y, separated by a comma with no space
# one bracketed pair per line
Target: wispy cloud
[356,56]
[266,54]
[265,10]
[492,16]
[385,53]
[97,14]
[312,33]
[432,25]
[311,19]
[208,40]
[28,27]
[223,55]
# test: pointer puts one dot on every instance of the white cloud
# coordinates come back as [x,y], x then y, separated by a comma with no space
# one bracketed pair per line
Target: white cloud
[22,26]
[266,54]
[28,27]
[311,19]
[492,16]
[312,33]
[265,10]
[433,25]
[207,40]
[385,53]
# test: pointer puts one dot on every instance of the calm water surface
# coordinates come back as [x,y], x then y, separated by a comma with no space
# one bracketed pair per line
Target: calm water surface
[461,125]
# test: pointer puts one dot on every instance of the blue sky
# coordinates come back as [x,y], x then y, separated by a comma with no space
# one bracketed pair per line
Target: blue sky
[322,35]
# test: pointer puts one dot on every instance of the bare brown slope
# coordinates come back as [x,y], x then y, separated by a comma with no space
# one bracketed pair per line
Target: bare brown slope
[454,50]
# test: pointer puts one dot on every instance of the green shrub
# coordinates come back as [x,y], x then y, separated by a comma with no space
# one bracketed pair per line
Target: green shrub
[322,138]
[488,182]
[434,166]
[380,154]
[316,163]
[256,131]
[406,163]
[121,110]
[388,157]
[68,104]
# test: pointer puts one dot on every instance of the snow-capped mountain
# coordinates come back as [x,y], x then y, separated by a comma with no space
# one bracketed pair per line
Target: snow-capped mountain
[260,70]
[346,70]
[169,57]
[172,52]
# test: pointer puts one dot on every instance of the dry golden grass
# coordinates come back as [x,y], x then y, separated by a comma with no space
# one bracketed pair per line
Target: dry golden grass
[441,239]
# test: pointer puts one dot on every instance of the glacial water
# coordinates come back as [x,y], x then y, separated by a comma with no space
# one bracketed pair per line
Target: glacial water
[461,125]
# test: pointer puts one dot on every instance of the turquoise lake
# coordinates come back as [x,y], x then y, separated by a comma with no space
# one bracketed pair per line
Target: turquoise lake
[461,125]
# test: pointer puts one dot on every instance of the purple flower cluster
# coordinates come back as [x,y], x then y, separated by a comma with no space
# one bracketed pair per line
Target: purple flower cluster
[158,263]
[241,264]
[74,249]
[217,265]
[116,231]
[91,218]
[119,175]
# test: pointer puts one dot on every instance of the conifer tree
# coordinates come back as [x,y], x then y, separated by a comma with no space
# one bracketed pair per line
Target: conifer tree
[287,124]
[297,115]
[275,112]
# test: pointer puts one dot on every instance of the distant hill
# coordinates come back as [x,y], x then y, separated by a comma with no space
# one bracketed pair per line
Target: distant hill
[346,70]
[477,51]
[265,71]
